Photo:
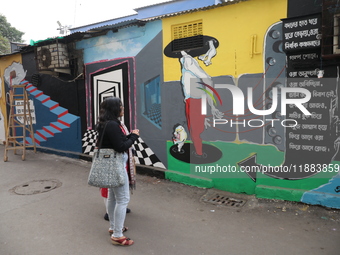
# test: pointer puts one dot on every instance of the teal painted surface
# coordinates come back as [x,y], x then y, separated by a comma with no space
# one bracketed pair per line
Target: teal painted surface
[327,194]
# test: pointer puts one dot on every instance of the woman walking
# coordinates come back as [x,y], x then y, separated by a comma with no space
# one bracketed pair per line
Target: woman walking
[116,136]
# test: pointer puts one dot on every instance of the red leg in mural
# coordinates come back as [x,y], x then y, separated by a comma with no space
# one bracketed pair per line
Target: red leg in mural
[195,122]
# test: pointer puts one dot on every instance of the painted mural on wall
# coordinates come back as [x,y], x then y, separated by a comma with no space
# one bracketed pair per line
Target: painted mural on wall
[112,78]
[253,131]
[2,118]
[13,75]
[208,110]
[54,127]
[3,92]
[117,77]
[241,130]
[197,87]
[316,137]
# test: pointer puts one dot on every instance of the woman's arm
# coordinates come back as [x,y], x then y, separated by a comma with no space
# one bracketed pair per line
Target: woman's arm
[117,139]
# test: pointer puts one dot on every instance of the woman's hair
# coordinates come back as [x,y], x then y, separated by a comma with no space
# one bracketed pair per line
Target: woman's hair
[110,109]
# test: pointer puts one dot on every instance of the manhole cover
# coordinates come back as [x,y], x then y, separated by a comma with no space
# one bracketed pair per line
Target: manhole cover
[224,200]
[36,187]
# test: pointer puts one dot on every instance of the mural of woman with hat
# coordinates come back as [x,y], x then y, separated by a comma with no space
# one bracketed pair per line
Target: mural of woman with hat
[197,85]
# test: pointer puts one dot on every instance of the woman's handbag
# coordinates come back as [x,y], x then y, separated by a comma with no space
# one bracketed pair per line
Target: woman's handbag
[107,169]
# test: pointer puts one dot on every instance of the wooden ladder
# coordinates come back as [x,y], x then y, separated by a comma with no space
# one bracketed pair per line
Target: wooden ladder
[20,121]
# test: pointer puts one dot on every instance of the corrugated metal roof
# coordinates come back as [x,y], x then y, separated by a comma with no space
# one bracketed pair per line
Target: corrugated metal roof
[230,2]
[162,10]
[146,6]
[121,20]
[144,14]
[115,25]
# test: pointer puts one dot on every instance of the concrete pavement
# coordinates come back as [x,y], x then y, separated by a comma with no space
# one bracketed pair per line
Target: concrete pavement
[65,216]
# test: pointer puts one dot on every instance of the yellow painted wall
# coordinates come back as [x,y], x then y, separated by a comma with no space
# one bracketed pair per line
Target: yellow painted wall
[4,63]
[232,25]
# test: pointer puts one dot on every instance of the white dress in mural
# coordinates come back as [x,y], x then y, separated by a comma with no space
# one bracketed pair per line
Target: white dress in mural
[14,74]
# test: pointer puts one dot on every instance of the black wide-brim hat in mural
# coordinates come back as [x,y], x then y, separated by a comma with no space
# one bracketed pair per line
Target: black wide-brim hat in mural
[168,50]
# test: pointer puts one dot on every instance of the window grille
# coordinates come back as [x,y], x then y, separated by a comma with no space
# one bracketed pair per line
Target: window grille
[187,36]
[330,29]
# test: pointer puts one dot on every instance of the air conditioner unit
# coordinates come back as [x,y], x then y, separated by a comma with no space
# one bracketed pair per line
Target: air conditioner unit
[53,58]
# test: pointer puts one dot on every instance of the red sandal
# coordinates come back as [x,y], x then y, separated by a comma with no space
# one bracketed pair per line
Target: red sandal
[123,241]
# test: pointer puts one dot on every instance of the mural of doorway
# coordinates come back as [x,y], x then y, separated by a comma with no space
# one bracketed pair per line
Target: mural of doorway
[105,79]
[111,81]
[114,78]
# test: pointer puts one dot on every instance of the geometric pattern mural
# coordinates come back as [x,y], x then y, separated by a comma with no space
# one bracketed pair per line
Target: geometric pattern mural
[64,121]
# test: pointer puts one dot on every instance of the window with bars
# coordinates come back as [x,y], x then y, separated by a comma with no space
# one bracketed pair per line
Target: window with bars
[187,35]
[330,28]
[336,37]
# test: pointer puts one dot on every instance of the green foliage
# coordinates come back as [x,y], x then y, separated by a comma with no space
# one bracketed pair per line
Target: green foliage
[8,34]
[4,45]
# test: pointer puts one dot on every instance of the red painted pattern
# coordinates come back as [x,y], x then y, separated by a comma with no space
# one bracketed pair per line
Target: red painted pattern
[36,141]
[38,95]
[64,123]
[45,100]
[41,135]
[54,126]
[62,114]
[54,106]
[48,131]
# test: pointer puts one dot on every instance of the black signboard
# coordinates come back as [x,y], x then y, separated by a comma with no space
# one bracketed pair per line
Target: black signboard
[302,33]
